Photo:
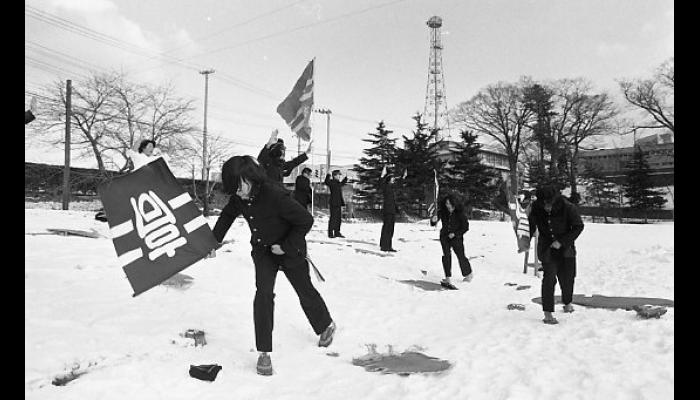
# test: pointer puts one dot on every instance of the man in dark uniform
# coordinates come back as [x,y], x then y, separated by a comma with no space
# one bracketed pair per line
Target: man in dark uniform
[302,188]
[559,224]
[335,202]
[278,226]
[389,210]
[271,157]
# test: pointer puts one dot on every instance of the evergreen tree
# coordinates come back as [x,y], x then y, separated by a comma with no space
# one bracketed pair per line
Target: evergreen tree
[600,191]
[467,175]
[418,157]
[638,187]
[369,170]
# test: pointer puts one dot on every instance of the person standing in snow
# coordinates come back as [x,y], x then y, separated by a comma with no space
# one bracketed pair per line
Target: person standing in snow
[335,202]
[271,157]
[278,226]
[302,188]
[146,152]
[389,210]
[454,225]
[559,224]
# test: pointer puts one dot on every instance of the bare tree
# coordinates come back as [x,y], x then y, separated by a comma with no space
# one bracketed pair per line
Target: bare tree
[90,114]
[654,96]
[499,112]
[581,117]
[218,151]
[113,114]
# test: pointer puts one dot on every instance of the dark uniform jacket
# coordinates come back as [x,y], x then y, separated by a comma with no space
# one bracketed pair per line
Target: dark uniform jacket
[455,222]
[389,200]
[563,224]
[302,190]
[275,167]
[336,199]
[273,217]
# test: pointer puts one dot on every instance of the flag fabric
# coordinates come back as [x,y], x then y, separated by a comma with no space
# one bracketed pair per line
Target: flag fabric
[296,108]
[157,231]
[432,208]
[521,225]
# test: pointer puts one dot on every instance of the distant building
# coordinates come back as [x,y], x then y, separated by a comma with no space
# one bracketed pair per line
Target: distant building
[491,158]
[658,152]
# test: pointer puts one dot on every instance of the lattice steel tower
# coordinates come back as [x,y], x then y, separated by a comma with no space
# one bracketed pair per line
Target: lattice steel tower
[435,110]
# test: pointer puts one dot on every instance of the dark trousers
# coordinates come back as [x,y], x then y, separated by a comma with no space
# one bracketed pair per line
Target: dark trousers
[297,271]
[563,268]
[387,231]
[457,245]
[334,221]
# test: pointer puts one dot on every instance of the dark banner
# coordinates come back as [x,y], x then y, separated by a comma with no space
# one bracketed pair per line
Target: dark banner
[156,229]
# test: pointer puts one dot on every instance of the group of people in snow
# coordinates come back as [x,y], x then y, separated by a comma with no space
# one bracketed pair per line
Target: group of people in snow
[279,221]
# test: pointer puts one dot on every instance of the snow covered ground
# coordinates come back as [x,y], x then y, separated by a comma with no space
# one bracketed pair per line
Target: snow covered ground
[80,315]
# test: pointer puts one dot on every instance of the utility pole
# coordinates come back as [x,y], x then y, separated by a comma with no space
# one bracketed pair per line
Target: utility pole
[328,136]
[205,160]
[66,165]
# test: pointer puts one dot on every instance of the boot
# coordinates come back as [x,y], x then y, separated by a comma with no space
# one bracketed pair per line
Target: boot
[327,336]
[264,366]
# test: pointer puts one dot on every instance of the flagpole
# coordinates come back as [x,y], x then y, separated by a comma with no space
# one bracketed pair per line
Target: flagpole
[311,136]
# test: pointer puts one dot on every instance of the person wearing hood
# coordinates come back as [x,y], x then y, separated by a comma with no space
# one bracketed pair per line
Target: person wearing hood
[559,224]
[389,209]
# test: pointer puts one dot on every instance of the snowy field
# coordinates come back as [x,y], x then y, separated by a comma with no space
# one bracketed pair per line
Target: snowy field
[80,316]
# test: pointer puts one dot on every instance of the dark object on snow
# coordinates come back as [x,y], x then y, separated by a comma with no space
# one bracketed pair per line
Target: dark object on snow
[613,303]
[448,285]
[514,306]
[197,335]
[404,364]
[74,232]
[101,216]
[510,284]
[206,372]
[647,312]
[523,287]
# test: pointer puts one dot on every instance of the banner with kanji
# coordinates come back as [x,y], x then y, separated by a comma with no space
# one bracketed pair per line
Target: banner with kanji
[156,229]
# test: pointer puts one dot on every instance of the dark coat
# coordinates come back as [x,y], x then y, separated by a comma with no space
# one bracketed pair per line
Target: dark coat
[563,224]
[455,222]
[302,190]
[275,167]
[273,217]
[389,201]
[336,198]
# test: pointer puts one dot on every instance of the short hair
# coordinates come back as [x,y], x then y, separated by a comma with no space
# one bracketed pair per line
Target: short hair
[306,170]
[145,143]
[546,193]
[336,172]
[238,167]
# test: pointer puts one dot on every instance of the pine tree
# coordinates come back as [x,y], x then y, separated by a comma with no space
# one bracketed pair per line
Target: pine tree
[418,157]
[638,187]
[469,176]
[370,167]
[600,191]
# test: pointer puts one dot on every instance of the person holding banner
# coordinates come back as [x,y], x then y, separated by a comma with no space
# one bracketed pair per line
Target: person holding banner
[278,226]
[559,224]
[335,202]
[272,158]
[146,152]
[454,226]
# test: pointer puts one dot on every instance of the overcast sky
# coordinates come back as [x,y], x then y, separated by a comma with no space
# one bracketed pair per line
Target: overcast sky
[371,55]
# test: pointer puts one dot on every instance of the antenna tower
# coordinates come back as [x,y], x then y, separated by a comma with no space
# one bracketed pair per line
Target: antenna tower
[435,110]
